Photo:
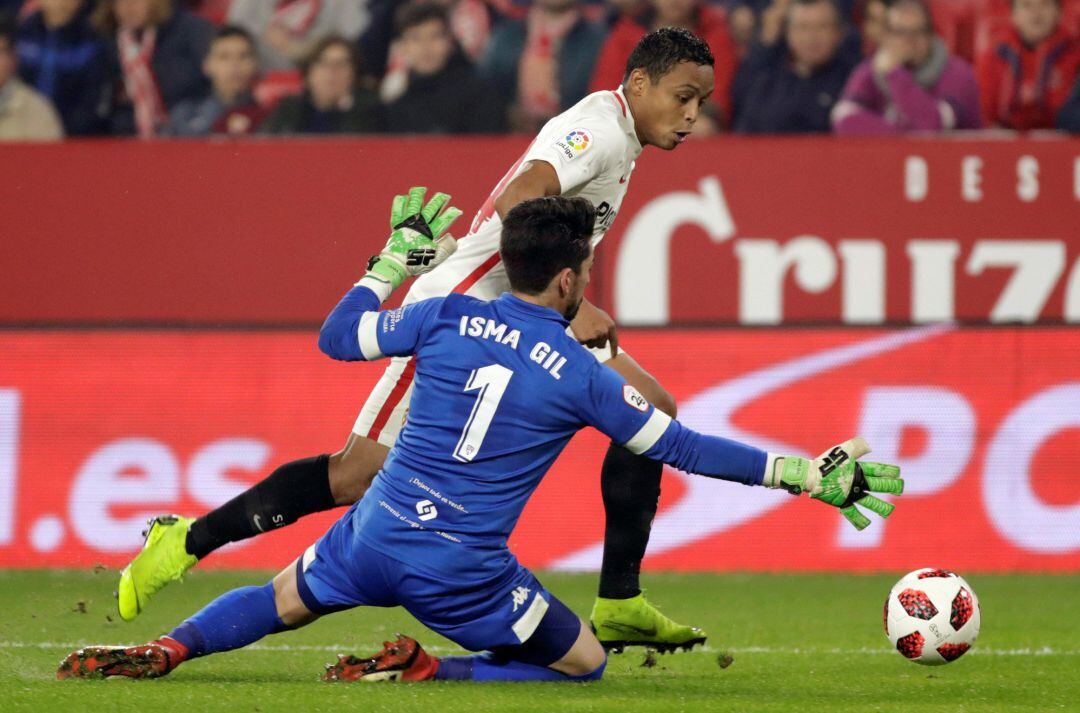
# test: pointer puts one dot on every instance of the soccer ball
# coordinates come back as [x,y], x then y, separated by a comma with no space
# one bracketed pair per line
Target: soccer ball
[932,616]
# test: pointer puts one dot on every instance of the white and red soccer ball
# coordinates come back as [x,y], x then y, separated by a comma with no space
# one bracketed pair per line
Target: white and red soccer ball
[932,616]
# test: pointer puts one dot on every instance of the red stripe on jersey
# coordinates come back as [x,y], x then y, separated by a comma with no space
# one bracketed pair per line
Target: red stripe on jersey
[488,209]
[403,382]
[396,394]
[622,104]
[475,275]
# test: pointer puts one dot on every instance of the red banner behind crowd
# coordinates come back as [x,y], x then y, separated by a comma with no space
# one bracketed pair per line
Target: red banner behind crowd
[101,429]
[732,230]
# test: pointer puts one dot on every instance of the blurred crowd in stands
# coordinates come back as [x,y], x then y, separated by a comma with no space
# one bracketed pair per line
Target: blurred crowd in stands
[174,68]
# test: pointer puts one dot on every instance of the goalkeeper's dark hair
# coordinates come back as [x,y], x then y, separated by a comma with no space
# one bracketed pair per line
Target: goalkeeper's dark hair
[543,236]
[661,50]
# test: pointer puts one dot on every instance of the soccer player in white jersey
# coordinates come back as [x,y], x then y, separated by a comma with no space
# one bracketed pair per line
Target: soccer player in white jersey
[501,388]
[589,152]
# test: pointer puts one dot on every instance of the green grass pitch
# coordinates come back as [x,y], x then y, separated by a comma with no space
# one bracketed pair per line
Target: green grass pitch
[806,643]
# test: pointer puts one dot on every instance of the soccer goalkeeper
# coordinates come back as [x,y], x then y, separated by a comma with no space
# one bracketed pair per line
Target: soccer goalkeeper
[500,389]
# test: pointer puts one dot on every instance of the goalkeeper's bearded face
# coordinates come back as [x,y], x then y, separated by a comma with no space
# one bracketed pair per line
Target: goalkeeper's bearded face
[576,282]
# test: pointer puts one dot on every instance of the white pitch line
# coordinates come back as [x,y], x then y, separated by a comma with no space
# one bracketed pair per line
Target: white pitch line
[334,648]
[342,648]
[1042,651]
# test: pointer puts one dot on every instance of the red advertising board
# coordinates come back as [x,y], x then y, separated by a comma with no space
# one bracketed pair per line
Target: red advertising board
[727,230]
[858,232]
[100,429]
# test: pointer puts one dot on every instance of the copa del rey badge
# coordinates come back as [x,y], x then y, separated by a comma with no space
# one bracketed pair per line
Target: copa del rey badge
[574,143]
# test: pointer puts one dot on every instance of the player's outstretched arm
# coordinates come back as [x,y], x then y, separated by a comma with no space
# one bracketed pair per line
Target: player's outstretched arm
[418,243]
[836,477]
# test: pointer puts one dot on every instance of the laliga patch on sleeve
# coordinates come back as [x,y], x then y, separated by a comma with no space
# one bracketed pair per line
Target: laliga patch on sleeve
[574,143]
[633,397]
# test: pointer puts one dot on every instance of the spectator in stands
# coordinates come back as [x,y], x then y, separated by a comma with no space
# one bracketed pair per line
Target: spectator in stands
[615,10]
[870,15]
[156,52]
[1068,118]
[771,21]
[743,19]
[793,84]
[542,64]
[444,94]
[62,57]
[376,54]
[232,65]
[332,101]
[25,115]
[214,11]
[706,21]
[762,21]
[1026,76]
[911,83]
[470,27]
[470,24]
[287,30]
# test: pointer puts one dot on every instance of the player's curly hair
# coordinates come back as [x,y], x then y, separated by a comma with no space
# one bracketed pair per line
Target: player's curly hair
[660,50]
[543,236]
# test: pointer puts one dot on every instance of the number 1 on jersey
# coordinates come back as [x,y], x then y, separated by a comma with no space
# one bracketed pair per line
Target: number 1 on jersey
[491,381]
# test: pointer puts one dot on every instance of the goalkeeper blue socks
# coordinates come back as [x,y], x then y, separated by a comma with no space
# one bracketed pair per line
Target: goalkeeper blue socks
[486,667]
[553,638]
[245,615]
[235,619]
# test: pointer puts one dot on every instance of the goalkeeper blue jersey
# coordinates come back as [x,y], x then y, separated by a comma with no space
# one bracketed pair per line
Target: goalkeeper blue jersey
[499,390]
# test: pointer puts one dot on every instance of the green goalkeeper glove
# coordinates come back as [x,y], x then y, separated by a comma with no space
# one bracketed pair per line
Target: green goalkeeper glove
[838,479]
[417,244]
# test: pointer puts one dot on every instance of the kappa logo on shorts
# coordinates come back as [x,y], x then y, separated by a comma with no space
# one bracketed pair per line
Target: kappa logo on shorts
[634,398]
[425,510]
[574,143]
[520,596]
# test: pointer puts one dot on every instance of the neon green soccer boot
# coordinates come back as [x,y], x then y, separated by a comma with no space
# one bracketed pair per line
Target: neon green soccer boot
[619,623]
[164,558]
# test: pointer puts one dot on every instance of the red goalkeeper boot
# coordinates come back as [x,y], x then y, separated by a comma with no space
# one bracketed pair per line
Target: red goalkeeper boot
[152,660]
[402,660]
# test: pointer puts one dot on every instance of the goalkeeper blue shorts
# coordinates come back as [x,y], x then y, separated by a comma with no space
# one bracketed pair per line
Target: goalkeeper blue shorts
[511,614]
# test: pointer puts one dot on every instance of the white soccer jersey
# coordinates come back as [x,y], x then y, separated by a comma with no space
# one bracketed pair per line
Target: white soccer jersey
[592,146]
